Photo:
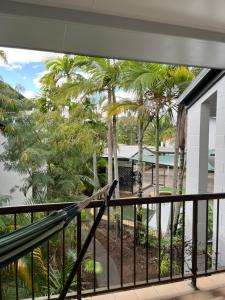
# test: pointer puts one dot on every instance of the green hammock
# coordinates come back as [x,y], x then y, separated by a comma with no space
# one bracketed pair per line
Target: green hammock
[20,242]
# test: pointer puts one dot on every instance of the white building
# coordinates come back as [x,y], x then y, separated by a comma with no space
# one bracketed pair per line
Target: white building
[10,182]
[205,102]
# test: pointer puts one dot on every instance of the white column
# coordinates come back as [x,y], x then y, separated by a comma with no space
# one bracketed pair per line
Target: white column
[197,174]
[219,177]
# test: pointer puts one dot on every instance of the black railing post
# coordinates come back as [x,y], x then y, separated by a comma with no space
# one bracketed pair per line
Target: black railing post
[195,243]
[85,246]
[79,287]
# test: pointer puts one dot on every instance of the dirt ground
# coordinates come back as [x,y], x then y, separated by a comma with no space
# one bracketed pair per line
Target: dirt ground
[129,254]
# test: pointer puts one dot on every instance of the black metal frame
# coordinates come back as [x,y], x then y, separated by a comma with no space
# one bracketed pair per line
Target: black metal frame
[87,243]
[122,203]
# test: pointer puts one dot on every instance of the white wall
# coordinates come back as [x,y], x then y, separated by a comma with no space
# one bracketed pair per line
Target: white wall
[212,133]
[196,179]
[219,179]
[197,174]
[10,179]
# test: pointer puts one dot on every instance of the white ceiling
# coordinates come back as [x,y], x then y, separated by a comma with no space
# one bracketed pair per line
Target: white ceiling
[190,32]
[203,14]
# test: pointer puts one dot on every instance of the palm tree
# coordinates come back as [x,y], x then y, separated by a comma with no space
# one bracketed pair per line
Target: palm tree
[182,77]
[179,153]
[101,76]
[150,85]
[60,68]
[105,74]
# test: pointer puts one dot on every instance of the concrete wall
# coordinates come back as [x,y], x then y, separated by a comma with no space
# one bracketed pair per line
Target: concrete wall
[205,133]
[212,133]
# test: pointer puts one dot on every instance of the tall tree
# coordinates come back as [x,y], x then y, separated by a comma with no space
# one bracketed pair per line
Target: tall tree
[182,77]
[105,74]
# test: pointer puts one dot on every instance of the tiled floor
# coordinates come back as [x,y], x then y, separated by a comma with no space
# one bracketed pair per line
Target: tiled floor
[211,287]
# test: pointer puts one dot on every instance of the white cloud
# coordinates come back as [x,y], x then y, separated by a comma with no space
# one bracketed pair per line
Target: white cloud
[36,80]
[21,56]
[24,77]
[11,66]
[29,94]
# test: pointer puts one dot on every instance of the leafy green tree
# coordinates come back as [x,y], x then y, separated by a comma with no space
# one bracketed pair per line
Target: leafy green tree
[106,74]
[127,129]
[102,77]
[155,87]
[167,131]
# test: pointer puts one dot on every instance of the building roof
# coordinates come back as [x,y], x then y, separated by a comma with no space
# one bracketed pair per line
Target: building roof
[202,83]
[164,150]
[167,160]
[126,151]
[164,160]
[129,151]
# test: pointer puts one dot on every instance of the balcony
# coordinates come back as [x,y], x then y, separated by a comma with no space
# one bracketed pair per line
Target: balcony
[128,251]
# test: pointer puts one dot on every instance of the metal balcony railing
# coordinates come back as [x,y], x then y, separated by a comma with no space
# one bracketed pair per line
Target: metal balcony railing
[131,248]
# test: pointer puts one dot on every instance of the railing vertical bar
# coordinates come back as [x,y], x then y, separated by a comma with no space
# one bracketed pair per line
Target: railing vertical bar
[217,231]
[63,256]
[32,264]
[135,234]
[171,240]
[16,263]
[135,238]
[108,224]
[159,240]
[0,284]
[94,255]
[147,228]
[183,238]
[194,243]
[48,266]
[79,284]
[206,237]
[121,247]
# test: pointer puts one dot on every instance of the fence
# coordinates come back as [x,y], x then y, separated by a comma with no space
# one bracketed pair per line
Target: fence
[131,248]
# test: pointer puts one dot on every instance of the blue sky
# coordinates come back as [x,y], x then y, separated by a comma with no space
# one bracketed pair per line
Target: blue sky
[25,68]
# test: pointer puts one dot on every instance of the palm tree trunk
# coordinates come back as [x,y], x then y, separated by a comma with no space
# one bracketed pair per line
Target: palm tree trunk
[95,172]
[115,159]
[176,205]
[157,166]
[157,155]
[175,168]
[140,173]
[140,156]
[180,190]
[110,144]
[181,172]
[176,152]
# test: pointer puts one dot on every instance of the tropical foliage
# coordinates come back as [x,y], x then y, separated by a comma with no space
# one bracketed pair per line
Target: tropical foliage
[56,142]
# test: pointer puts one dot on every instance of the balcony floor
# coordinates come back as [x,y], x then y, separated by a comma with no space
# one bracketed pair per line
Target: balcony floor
[210,287]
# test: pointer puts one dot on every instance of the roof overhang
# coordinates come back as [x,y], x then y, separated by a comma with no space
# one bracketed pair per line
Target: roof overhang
[203,82]
[61,26]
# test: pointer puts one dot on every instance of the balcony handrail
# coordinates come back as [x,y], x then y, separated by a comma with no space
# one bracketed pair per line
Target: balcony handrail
[176,255]
[115,202]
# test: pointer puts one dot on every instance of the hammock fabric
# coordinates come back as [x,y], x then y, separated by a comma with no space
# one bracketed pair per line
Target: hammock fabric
[20,242]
